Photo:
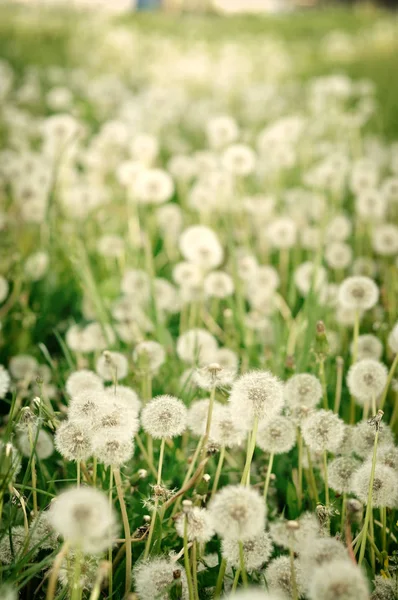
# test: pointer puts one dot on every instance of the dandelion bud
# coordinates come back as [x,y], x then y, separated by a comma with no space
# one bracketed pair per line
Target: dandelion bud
[187,506]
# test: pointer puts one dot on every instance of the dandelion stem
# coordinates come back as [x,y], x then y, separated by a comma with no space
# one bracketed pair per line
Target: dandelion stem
[94,472]
[154,512]
[312,476]
[220,579]
[300,469]
[186,560]
[52,582]
[146,456]
[325,476]
[268,477]
[249,457]
[369,503]
[293,574]
[389,380]
[322,377]
[343,512]
[242,565]
[218,471]
[110,576]
[383,519]
[195,570]
[339,384]
[189,472]
[236,579]
[78,473]
[354,359]
[208,421]
[126,526]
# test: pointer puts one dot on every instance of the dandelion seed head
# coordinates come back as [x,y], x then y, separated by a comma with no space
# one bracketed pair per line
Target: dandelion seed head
[152,186]
[88,569]
[44,446]
[256,551]
[385,485]
[358,293]
[221,131]
[318,552]
[149,356]
[36,265]
[338,580]
[199,526]
[340,472]
[212,376]
[309,276]
[73,441]
[303,389]
[393,339]
[366,379]
[287,538]
[323,430]
[10,554]
[164,417]
[218,284]
[279,579]
[363,437]
[239,159]
[113,447]
[84,517]
[196,345]
[200,245]
[197,415]
[385,239]
[5,381]
[155,577]
[4,288]
[282,233]
[112,366]
[136,286]
[225,430]
[387,455]
[42,532]
[338,255]
[277,436]
[237,513]
[23,366]
[81,381]
[257,394]
[385,588]
[368,346]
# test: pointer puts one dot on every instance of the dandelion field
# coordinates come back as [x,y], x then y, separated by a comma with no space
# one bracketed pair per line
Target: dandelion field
[198,306]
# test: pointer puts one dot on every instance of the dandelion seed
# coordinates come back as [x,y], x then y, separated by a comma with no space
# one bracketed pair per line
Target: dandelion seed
[368,346]
[363,437]
[340,472]
[200,246]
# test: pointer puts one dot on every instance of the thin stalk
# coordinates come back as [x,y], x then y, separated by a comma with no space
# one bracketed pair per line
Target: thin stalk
[95,592]
[293,574]
[110,576]
[371,534]
[339,384]
[146,455]
[155,508]
[208,421]
[220,579]
[322,377]
[354,359]
[394,416]
[369,503]
[33,472]
[389,380]
[186,560]
[95,472]
[312,476]
[249,457]
[268,477]
[189,472]
[343,513]
[195,570]
[23,506]
[325,476]
[242,565]
[76,587]
[52,582]
[126,526]
[383,519]
[218,471]
[300,469]
[236,579]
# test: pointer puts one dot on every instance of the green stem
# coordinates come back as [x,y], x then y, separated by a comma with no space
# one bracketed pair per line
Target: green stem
[52,582]
[218,471]
[268,478]
[78,473]
[343,513]
[189,473]
[195,570]
[312,476]
[154,512]
[383,519]
[186,560]
[322,377]
[300,469]
[220,579]
[339,384]
[236,579]
[293,574]
[146,455]
[242,565]
[354,359]
[369,503]
[110,576]
[325,475]
[249,457]
[126,526]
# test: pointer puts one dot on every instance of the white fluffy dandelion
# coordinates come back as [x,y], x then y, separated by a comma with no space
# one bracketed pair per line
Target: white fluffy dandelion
[199,527]
[149,356]
[277,436]
[367,379]
[303,389]
[237,513]
[256,551]
[73,441]
[385,485]
[81,381]
[323,430]
[84,517]
[112,366]
[155,578]
[358,293]
[340,472]
[278,576]
[164,417]
[256,395]
[197,345]
[44,446]
[201,246]
[338,580]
